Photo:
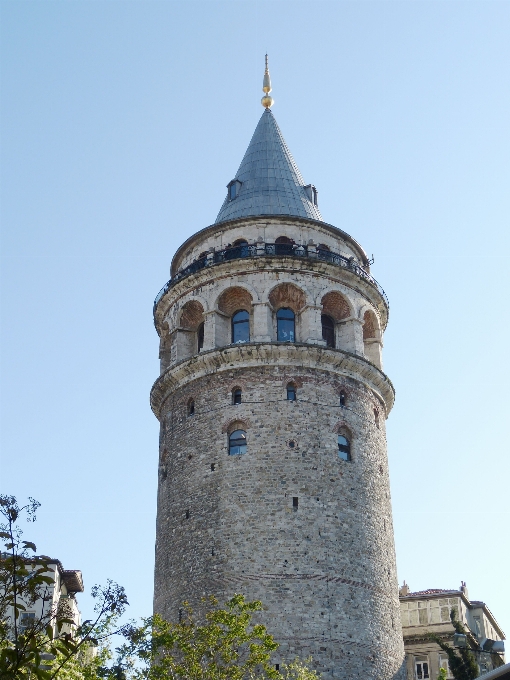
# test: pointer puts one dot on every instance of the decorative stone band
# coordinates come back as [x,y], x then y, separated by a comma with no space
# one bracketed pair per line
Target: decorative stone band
[291,355]
[304,577]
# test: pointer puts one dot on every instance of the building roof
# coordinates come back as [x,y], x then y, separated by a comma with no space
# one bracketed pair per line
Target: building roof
[431,591]
[270,181]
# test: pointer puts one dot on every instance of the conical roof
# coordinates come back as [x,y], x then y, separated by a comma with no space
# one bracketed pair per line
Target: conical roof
[268,181]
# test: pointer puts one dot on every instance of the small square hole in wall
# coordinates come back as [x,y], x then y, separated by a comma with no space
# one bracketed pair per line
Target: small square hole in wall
[187,514]
[292,444]
[213,467]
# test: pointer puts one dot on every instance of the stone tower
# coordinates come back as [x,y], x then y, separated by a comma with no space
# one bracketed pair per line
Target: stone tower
[273,472]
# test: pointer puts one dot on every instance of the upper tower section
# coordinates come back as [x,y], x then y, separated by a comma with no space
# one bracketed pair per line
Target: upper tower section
[268,181]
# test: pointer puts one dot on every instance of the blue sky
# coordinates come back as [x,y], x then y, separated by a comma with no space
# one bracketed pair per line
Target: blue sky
[122,123]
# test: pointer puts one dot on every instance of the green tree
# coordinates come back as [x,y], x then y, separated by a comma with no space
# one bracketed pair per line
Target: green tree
[43,649]
[226,645]
[462,661]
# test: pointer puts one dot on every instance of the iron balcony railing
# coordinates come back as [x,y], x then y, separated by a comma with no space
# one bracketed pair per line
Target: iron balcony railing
[271,249]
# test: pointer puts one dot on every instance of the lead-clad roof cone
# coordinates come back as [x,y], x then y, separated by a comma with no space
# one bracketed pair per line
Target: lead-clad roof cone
[268,181]
[266,100]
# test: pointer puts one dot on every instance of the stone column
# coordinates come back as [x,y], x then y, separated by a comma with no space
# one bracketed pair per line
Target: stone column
[262,322]
[349,336]
[209,330]
[373,351]
[311,328]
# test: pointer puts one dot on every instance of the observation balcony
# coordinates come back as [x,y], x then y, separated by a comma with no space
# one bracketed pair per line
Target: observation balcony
[272,250]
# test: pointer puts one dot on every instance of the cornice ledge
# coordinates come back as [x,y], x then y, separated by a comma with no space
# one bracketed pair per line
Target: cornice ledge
[253,354]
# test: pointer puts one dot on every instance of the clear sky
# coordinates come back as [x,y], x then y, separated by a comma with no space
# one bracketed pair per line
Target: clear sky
[122,123]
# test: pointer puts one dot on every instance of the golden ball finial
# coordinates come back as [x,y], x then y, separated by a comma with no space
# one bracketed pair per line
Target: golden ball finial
[267,101]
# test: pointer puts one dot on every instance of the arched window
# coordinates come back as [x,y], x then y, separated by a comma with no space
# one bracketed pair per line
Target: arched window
[286,325]
[237,443]
[191,407]
[237,396]
[291,392]
[200,337]
[328,330]
[283,246]
[241,326]
[242,247]
[343,399]
[344,447]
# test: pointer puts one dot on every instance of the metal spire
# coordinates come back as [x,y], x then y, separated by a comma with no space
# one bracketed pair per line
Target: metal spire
[267,101]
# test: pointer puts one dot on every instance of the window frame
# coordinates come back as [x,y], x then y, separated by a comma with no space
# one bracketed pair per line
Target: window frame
[331,329]
[234,324]
[291,389]
[422,660]
[237,396]
[285,320]
[237,439]
[346,448]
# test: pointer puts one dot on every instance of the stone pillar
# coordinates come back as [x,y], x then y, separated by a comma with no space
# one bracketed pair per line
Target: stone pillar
[310,326]
[262,322]
[349,336]
[373,351]
[209,330]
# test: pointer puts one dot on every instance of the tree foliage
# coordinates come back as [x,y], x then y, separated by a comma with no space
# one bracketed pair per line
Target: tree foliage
[51,640]
[462,661]
[225,645]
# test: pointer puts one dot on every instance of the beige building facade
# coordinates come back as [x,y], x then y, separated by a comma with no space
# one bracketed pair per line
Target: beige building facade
[427,612]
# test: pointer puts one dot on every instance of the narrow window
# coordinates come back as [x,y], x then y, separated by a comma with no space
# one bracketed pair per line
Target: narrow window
[277,666]
[295,503]
[241,326]
[241,246]
[237,396]
[200,337]
[237,443]
[344,447]
[233,191]
[376,418]
[187,514]
[213,467]
[26,621]
[422,669]
[284,246]
[191,407]
[328,330]
[291,392]
[286,323]
[342,399]
[180,615]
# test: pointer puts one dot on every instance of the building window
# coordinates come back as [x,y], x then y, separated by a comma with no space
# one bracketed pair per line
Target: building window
[26,620]
[237,443]
[421,666]
[241,327]
[376,418]
[237,396]
[328,330]
[344,447]
[200,337]
[343,399]
[286,324]
[191,407]
[291,392]
[443,663]
[233,189]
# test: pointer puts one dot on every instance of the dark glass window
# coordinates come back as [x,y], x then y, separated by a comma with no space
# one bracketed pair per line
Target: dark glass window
[342,399]
[191,407]
[286,323]
[291,392]
[283,246]
[328,330]
[200,337]
[233,190]
[344,447]
[241,326]
[237,396]
[237,443]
